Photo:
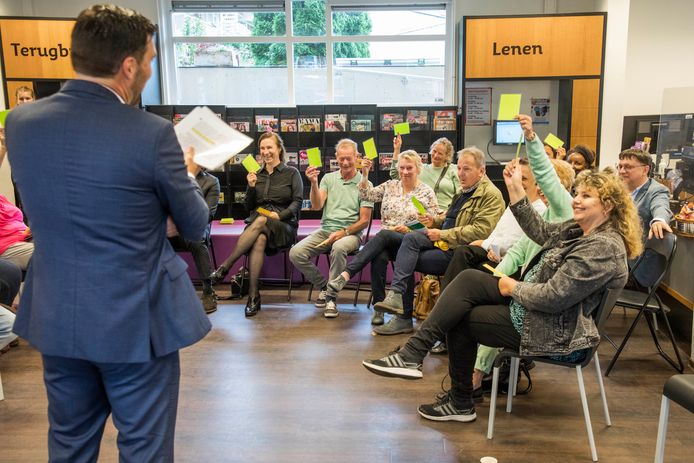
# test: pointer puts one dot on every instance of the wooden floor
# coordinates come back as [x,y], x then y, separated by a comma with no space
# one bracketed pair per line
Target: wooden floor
[288,386]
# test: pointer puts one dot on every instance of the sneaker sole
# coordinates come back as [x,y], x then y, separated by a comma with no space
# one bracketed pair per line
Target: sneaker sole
[388,309]
[331,314]
[377,322]
[459,418]
[320,305]
[404,373]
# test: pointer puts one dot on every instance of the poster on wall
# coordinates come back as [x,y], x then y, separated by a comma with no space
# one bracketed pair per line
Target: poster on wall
[539,110]
[478,103]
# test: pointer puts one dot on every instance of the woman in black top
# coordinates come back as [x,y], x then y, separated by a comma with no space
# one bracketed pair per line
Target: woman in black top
[276,188]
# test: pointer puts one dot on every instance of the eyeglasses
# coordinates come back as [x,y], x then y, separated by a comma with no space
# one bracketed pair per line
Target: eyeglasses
[629,167]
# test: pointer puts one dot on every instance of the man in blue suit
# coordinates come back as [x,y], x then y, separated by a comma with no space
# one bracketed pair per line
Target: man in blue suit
[107,302]
[652,199]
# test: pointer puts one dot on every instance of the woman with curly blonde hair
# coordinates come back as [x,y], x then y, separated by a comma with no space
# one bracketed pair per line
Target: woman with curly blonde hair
[547,313]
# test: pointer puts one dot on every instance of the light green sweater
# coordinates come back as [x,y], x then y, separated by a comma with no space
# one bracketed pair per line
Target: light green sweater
[558,210]
[430,175]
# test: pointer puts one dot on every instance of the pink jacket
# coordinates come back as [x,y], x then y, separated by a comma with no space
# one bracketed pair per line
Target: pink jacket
[12,226]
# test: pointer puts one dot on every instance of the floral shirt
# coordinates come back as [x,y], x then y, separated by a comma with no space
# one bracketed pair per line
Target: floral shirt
[396,205]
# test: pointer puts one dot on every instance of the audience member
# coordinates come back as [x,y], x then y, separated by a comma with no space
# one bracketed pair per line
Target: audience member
[278,189]
[581,158]
[439,175]
[345,215]
[209,185]
[10,280]
[24,95]
[106,301]
[548,313]
[474,212]
[16,243]
[651,198]
[397,212]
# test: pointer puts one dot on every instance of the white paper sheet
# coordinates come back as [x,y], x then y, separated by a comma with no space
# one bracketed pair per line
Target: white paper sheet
[214,141]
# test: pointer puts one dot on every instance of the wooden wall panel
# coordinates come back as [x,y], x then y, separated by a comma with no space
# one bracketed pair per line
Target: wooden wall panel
[569,46]
[585,109]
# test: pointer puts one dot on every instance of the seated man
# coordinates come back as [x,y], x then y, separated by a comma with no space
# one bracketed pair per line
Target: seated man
[209,185]
[472,215]
[652,199]
[10,279]
[15,236]
[344,217]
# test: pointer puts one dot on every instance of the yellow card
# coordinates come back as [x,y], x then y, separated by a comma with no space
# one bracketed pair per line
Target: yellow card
[3,116]
[263,211]
[314,159]
[402,128]
[554,141]
[509,106]
[370,149]
[520,142]
[250,163]
[493,270]
[418,204]
[226,221]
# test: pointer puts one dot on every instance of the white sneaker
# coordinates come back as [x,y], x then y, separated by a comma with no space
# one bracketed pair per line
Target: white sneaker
[320,301]
[330,310]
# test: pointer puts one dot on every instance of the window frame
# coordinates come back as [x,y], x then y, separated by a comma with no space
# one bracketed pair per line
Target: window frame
[168,41]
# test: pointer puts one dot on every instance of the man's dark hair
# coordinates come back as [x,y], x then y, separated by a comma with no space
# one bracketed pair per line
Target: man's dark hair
[104,35]
[639,155]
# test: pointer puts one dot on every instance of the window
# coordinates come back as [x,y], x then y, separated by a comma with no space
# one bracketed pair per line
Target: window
[244,52]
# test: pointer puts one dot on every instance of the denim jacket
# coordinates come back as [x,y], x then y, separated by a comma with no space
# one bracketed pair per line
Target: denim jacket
[569,286]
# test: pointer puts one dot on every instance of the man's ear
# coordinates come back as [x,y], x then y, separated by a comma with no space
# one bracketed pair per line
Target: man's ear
[129,67]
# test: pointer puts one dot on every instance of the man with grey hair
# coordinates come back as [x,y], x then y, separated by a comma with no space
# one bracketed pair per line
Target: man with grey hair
[344,217]
[472,215]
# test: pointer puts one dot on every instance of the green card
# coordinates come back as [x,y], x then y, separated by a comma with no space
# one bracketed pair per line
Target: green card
[554,141]
[314,159]
[402,128]
[3,116]
[370,149]
[509,106]
[250,163]
[418,204]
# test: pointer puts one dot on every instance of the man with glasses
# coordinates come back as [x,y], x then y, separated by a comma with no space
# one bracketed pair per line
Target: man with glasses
[652,199]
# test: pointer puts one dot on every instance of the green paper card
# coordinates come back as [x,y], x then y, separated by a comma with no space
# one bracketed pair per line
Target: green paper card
[509,106]
[250,163]
[370,149]
[314,159]
[3,116]
[402,128]
[553,141]
[418,204]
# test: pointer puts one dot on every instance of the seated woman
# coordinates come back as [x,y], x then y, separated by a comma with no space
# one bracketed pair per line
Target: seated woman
[15,237]
[397,210]
[548,312]
[440,175]
[581,158]
[277,188]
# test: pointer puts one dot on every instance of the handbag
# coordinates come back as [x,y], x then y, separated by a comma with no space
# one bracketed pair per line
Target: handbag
[239,283]
[426,293]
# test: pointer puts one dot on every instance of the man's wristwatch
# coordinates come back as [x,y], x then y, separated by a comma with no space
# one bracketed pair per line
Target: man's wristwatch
[346,232]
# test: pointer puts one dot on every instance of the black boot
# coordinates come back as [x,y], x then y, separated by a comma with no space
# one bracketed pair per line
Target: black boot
[218,275]
[252,305]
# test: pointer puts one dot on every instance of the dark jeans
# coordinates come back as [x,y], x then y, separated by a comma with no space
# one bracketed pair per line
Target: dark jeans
[464,257]
[417,252]
[201,255]
[10,281]
[470,311]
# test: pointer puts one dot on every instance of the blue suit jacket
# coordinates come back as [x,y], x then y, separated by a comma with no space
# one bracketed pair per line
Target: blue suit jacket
[652,202]
[97,179]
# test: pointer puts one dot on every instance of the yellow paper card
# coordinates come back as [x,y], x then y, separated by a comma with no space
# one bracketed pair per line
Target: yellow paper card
[509,106]
[402,128]
[418,204]
[554,141]
[3,116]
[314,159]
[370,149]
[226,221]
[493,270]
[250,163]
[263,211]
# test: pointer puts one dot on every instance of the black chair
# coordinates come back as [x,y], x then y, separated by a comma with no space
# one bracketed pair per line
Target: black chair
[678,389]
[648,272]
[601,313]
[287,264]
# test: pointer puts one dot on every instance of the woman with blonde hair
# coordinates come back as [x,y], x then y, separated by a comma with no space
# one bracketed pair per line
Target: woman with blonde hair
[439,175]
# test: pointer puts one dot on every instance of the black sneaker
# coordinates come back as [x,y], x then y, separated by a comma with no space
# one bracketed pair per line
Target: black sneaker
[393,365]
[444,410]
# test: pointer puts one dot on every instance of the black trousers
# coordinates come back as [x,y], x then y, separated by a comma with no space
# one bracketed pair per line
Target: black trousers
[464,257]
[201,255]
[469,312]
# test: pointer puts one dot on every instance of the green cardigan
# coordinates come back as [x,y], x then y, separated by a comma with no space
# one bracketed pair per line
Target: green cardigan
[448,186]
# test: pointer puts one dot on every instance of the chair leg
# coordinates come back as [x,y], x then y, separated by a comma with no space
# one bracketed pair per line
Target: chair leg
[356,293]
[2,393]
[291,274]
[586,413]
[492,403]
[608,421]
[662,430]
[624,342]
[679,366]
[512,383]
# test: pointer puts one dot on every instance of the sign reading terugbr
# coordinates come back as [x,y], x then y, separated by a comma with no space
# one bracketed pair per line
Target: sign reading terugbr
[52,53]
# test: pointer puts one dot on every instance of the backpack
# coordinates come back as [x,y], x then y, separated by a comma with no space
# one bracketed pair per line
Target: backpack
[426,294]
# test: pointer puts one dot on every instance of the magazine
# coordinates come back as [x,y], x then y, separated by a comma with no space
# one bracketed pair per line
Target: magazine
[444,120]
[385,161]
[390,119]
[424,157]
[239,196]
[266,123]
[309,124]
[335,122]
[178,118]
[293,160]
[288,125]
[334,165]
[242,125]
[303,160]
[418,119]
[361,123]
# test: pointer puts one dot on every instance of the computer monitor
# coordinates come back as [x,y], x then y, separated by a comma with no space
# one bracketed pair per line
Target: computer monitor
[507,133]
